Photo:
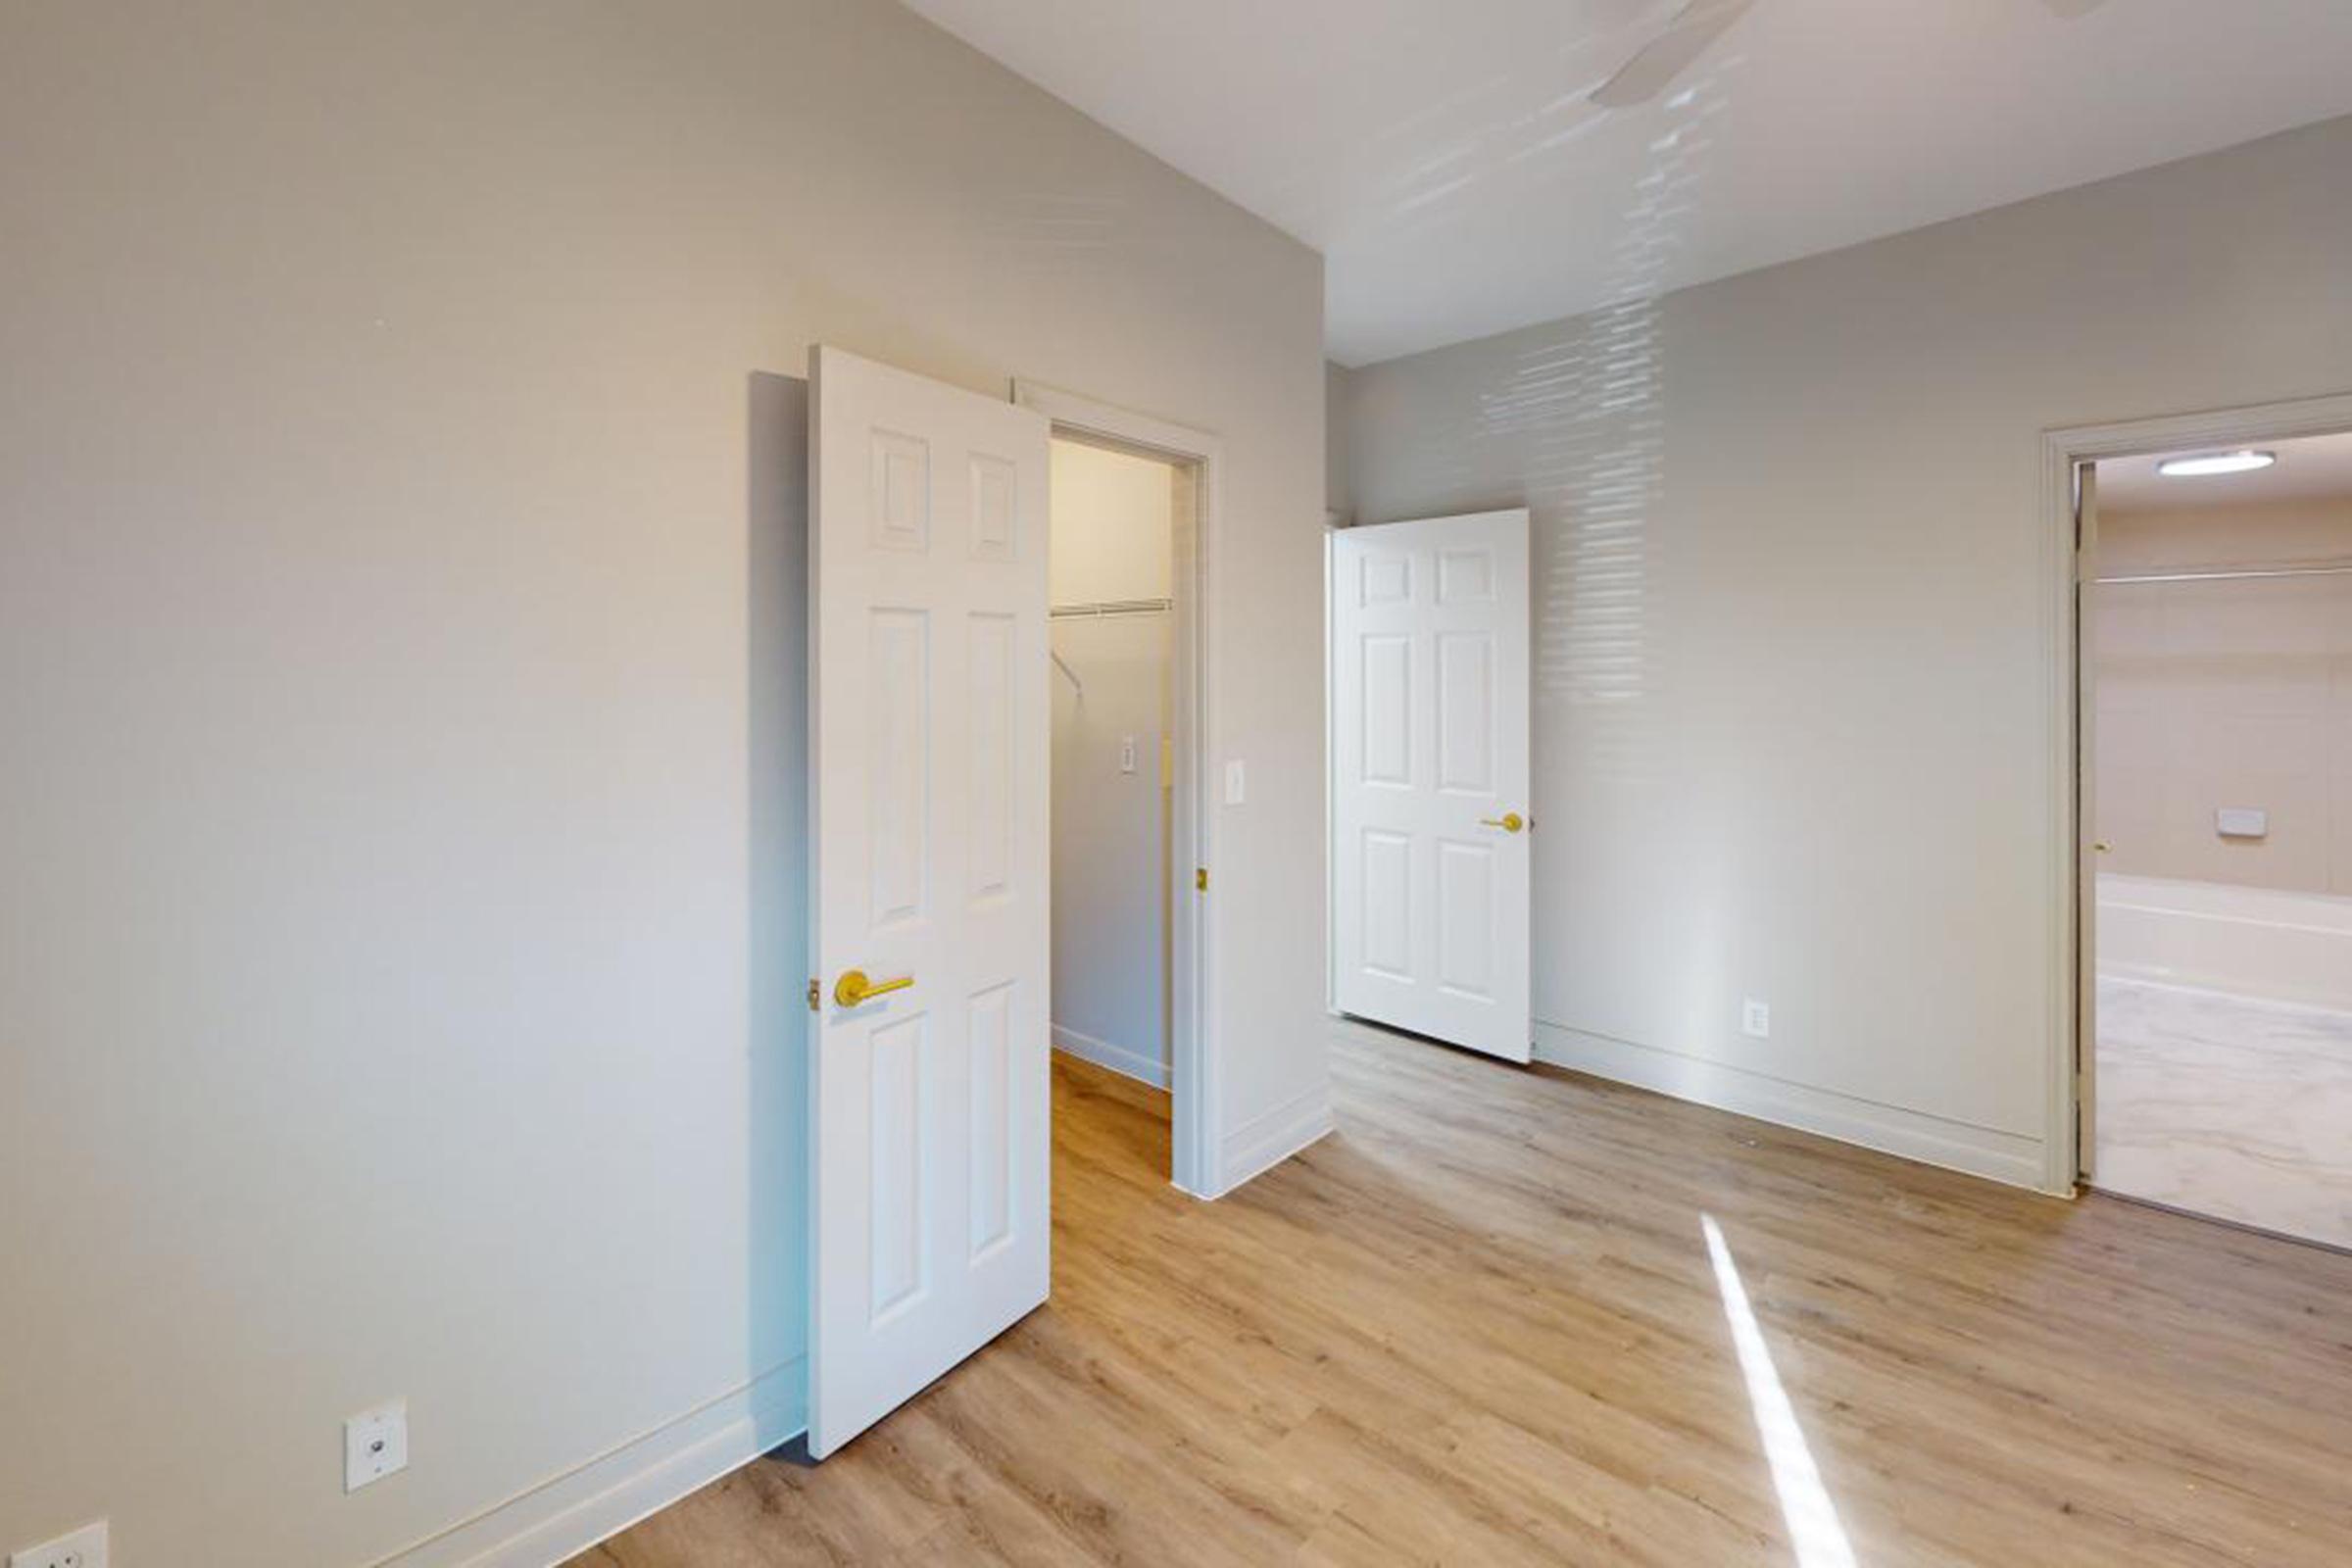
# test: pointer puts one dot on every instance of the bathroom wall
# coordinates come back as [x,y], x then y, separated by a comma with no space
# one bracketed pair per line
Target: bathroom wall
[2232,693]
[1112,517]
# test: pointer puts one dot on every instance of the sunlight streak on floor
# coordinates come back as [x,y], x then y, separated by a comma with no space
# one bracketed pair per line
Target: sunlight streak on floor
[1814,1530]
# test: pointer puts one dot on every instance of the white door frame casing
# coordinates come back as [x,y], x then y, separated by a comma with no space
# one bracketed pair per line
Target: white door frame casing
[1198,1140]
[2062,450]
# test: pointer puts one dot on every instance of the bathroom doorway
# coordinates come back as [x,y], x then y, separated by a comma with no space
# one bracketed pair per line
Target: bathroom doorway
[2216,802]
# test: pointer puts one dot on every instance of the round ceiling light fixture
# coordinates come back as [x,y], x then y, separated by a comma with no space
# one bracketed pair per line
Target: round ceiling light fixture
[2209,464]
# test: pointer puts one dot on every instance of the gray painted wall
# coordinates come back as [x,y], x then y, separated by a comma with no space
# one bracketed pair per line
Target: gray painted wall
[1792,733]
[399,888]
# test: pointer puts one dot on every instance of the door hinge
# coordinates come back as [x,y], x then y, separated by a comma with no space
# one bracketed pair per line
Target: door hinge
[1201,879]
[812,996]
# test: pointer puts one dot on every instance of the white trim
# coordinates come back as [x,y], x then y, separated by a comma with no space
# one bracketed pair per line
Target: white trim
[1264,1142]
[1331,778]
[1890,1129]
[563,1516]
[1198,1136]
[2062,449]
[1120,1059]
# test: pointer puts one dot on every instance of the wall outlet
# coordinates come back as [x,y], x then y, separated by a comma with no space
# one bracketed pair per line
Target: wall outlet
[83,1549]
[1126,753]
[1755,1018]
[376,1443]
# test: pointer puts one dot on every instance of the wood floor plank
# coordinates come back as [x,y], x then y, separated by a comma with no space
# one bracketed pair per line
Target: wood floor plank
[1479,1325]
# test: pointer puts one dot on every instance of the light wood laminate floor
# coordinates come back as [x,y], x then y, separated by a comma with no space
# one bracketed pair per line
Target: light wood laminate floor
[1479,1325]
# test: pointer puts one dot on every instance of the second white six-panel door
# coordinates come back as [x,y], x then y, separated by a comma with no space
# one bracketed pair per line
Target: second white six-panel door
[1429,856]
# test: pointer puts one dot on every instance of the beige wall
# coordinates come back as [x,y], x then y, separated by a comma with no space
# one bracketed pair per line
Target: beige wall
[1114,519]
[2227,693]
[1803,749]
[399,945]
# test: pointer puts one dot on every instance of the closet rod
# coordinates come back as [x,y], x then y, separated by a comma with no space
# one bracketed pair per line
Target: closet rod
[1113,606]
[2310,568]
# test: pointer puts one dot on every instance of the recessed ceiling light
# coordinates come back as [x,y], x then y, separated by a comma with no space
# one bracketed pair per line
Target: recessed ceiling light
[2213,463]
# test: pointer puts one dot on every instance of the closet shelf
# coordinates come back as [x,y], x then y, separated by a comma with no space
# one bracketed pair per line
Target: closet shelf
[1113,606]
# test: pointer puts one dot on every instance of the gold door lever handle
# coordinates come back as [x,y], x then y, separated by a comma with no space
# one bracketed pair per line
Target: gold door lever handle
[855,989]
[1508,822]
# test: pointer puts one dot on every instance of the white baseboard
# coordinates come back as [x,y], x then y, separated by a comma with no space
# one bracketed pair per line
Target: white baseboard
[1930,1140]
[1119,1058]
[1264,1142]
[561,1518]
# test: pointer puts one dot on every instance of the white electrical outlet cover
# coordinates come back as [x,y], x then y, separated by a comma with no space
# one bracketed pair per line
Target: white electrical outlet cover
[376,1444]
[83,1549]
[1755,1018]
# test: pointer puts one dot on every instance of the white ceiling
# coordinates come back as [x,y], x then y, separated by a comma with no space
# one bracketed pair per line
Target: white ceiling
[1445,158]
[2313,468]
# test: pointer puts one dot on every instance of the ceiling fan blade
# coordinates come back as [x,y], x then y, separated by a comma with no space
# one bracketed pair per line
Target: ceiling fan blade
[2071,9]
[1672,52]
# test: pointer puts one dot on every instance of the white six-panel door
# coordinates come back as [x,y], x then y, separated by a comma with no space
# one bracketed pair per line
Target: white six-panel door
[930,748]
[1430,854]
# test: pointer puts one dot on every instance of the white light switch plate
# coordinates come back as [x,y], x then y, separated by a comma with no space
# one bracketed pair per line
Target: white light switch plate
[1236,784]
[1126,753]
[83,1549]
[376,1443]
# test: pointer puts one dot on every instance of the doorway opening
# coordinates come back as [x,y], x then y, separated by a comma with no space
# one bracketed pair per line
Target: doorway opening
[1110,565]
[1128,507]
[2215,806]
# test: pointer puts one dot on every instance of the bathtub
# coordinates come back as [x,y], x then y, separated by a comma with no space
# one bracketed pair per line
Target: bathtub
[2290,947]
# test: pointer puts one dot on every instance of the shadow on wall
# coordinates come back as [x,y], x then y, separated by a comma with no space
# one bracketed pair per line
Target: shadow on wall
[1587,415]
[1571,422]
[776,889]
[1579,422]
